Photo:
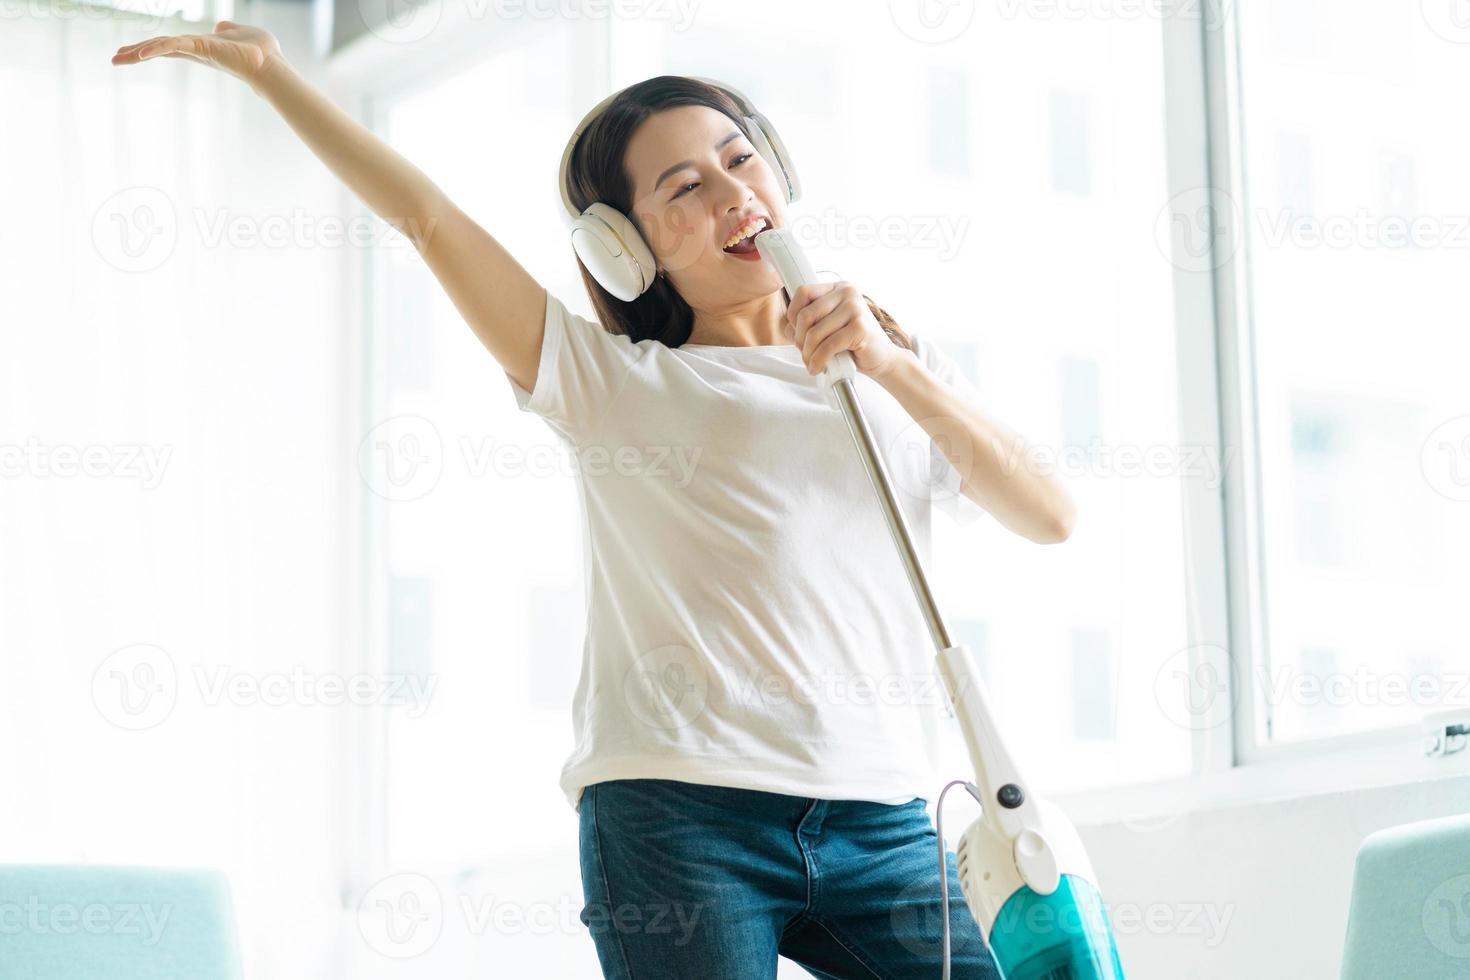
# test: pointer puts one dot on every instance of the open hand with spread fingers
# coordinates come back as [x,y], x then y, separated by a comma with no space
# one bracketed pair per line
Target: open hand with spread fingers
[238,49]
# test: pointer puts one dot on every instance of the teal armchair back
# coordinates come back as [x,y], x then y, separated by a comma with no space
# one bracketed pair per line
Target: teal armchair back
[107,922]
[1410,912]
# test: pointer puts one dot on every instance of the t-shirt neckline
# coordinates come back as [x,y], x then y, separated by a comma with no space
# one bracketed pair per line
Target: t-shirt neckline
[736,347]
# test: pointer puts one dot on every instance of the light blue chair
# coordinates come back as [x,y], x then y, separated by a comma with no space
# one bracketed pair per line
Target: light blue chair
[107,922]
[1410,912]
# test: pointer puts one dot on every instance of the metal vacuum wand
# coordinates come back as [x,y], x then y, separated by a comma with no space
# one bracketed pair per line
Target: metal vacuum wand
[791,264]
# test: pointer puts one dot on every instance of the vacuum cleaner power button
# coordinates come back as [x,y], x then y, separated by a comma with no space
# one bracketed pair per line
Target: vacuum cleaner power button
[1010,796]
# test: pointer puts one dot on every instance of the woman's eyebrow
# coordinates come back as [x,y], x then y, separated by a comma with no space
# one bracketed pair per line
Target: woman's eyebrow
[689,163]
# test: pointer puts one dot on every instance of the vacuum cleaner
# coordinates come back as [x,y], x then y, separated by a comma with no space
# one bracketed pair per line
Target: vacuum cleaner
[1024,872]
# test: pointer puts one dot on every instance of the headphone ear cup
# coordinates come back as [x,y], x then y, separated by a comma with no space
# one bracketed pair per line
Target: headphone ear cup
[614,252]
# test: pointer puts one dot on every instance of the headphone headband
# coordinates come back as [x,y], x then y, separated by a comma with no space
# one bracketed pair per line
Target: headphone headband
[760,128]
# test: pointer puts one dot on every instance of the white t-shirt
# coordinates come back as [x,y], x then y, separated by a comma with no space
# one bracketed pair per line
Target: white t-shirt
[749,622]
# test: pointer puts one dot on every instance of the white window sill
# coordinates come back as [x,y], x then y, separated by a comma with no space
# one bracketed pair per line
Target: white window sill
[1308,773]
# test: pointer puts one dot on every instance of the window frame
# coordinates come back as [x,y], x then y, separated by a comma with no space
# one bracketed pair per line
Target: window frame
[1224,531]
[201,15]
[363,76]
[1244,499]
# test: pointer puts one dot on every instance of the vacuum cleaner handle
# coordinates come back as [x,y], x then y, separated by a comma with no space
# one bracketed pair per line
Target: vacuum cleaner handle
[996,772]
[778,248]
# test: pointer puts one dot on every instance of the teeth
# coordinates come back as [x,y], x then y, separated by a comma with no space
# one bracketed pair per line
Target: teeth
[746,230]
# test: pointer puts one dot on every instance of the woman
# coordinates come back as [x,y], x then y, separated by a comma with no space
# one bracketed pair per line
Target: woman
[756,717]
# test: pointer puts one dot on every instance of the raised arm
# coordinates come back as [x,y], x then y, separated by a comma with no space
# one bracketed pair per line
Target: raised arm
[500,301]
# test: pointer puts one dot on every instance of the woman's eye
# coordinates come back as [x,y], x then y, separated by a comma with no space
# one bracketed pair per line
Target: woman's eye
[694,183]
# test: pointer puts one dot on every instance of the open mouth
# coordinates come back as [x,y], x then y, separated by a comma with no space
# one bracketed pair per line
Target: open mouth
[745,243]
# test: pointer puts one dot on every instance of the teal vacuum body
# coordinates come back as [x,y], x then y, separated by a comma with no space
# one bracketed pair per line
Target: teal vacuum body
[1025,874]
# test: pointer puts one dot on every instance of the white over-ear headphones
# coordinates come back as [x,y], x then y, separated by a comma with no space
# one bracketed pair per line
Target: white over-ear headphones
[607,241]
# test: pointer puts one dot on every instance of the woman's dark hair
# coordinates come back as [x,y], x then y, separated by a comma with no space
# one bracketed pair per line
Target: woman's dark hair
[596,172]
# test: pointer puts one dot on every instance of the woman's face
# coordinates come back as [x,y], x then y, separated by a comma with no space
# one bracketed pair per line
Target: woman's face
[696,180]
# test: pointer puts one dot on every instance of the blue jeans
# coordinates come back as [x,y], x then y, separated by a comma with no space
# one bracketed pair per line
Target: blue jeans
[686,881]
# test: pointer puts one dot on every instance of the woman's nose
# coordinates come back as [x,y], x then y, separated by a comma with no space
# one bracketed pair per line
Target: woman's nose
[734,194]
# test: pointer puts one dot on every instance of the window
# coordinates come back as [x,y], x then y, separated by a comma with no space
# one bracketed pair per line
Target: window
[949,123]
[1071,172]
[965,354]
[1397,191]
[1081,401]
[974,634]
[200,11]
[1293,27]
[553,650]
[1294,159]
[410,626]
[1356,236]
[477,536]
[1092,686]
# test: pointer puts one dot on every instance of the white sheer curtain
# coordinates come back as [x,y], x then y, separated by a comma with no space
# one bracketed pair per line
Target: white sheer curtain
[172,454]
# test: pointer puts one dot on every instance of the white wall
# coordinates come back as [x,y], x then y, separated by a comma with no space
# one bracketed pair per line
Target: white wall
[1258,891]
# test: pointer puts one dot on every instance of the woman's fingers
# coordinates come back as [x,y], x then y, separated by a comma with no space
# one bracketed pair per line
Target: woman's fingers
[156,46]
[141,51]
[158,37]
[188,44]
[127,48]
[169,45]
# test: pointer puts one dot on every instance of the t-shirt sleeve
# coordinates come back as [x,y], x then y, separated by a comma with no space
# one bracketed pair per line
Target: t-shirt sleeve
[944,479]
[581,371]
